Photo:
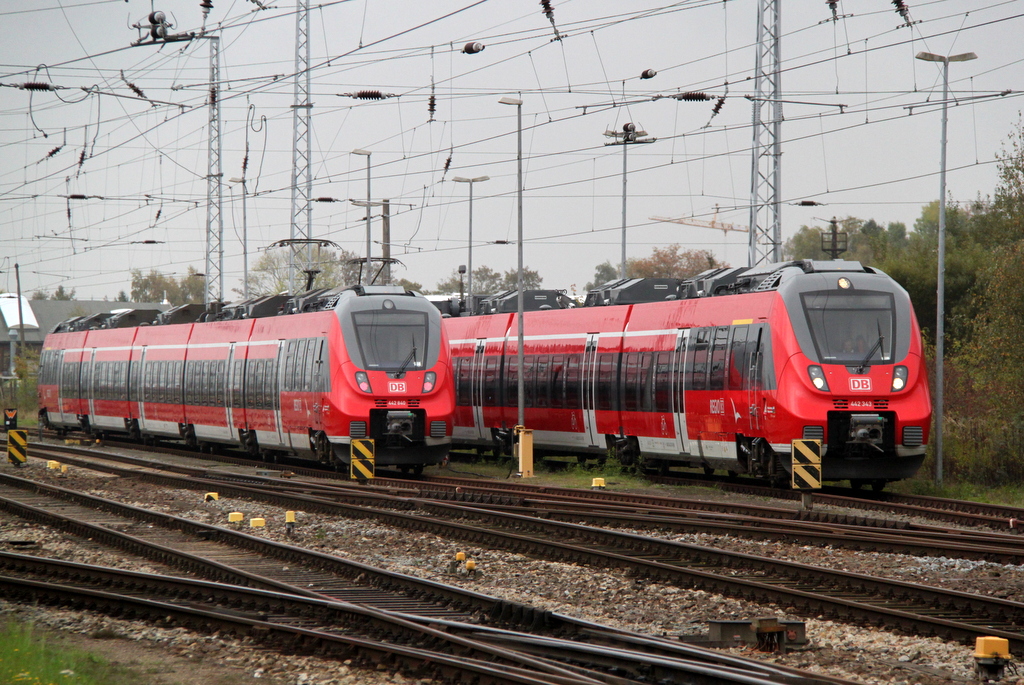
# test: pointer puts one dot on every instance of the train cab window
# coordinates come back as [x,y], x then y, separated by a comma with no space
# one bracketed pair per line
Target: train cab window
[852,327]
[696,368]
[738,371]
[393,339]
[557,384]
[572,382]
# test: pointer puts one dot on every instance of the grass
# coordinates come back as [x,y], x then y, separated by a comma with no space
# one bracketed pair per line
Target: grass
[27,658]
[569,474]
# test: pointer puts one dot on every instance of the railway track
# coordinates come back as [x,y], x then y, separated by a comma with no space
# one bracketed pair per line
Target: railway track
[590,656]
[808,589]
[643,511]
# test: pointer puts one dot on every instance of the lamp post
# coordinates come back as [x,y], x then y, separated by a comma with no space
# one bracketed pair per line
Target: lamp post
[629,135]
[366,153]
[521,390]
[470,181]
[941,286]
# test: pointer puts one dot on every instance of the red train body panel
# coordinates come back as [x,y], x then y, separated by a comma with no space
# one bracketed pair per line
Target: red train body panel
[723,381]
[275,384]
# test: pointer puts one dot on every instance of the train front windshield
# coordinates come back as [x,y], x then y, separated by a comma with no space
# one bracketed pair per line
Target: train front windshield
[391,339]
[851,328]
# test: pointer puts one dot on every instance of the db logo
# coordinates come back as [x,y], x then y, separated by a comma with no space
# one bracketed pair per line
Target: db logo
[860,385]
[400,387]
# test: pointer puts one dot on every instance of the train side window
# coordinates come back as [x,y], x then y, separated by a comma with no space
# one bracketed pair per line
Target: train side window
[512,381]
[543,374]
[557,384]
[606,389]
[716,380]
[572,382]
[630,392]
[696,368]
[645,381]
[490,381]
[738,359]
[662,389]
[463,375]
[529,380]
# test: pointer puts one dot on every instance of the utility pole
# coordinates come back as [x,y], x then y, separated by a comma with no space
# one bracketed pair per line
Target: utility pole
[302,180]
[765,172]
[386,223]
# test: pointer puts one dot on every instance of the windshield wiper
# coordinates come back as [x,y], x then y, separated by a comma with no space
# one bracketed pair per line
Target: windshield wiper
[408,360]
[877,346]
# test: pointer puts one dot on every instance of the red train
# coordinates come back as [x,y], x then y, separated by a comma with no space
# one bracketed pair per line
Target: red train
[362,362]
[720,372]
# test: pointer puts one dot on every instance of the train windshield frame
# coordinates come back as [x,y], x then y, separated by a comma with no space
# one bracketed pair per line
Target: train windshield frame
[852,328]
[393,339]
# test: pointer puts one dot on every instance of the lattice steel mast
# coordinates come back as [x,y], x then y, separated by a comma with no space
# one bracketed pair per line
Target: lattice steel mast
[214,290]
[302,180]
[766,162]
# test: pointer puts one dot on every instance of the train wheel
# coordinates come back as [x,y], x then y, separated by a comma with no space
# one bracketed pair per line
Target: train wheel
[323,449]
[708,471]
[417,470]
[732,474]
[878,485]
[857,483]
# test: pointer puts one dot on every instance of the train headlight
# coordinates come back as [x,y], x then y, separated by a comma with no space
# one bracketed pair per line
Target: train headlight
[429,381]
[899,378]
[363,381]
[817,377]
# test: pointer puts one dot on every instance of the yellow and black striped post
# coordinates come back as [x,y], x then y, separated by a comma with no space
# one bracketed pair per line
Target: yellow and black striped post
[17,446]
[362,459]
[806,465]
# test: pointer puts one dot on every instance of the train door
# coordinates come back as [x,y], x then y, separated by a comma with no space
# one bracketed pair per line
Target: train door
[589,374]
[233,389]
[476,392]
[139,386]
[755,389]
[88,387]
[678,380]
[318,385]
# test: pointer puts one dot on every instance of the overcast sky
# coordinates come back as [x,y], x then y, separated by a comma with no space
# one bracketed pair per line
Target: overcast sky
[861,131]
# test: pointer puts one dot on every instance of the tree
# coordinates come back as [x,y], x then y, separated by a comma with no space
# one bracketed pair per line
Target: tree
[604,272]
[487,281]
[61,294]
[412,285]
[270,274]
[39,295]
[672,262]
[122,296]
[154,287]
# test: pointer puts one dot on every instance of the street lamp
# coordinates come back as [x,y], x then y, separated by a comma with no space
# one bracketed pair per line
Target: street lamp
[471,181]
[941,286]
[521,389]
[629,135]
[366,153]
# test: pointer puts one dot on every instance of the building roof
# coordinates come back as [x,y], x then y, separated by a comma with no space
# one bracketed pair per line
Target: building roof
[49,313]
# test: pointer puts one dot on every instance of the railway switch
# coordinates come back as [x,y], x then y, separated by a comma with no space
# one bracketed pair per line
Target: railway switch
[289,523]
[991,657]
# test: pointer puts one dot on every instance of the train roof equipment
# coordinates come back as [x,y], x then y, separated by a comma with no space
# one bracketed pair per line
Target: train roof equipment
[533,300]
[633,291]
